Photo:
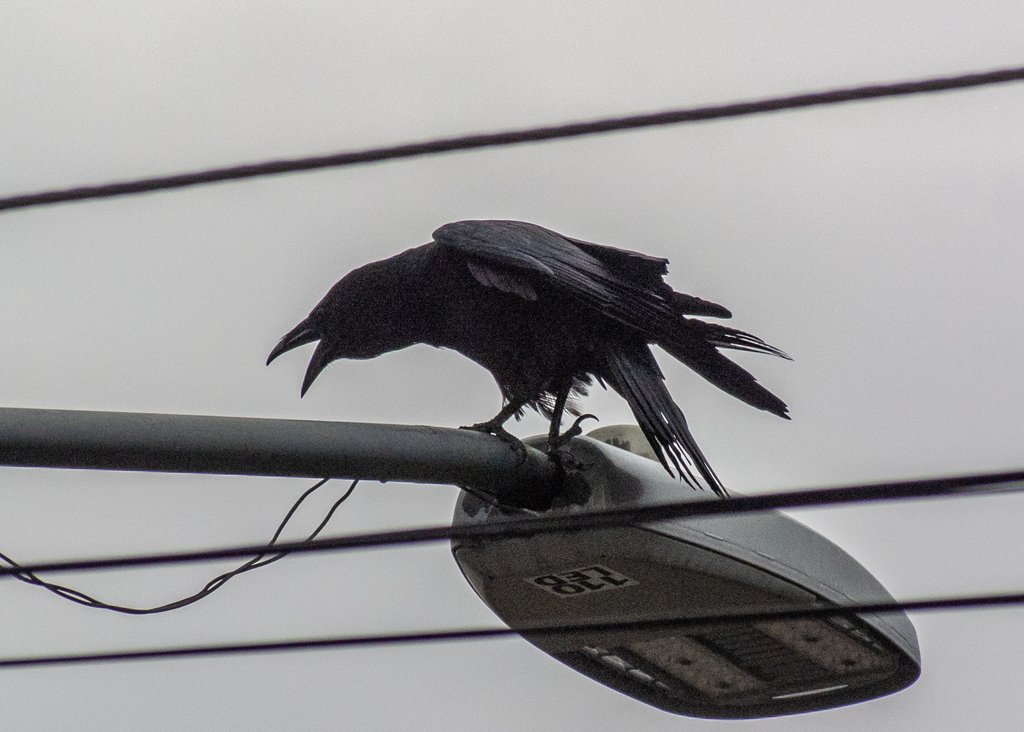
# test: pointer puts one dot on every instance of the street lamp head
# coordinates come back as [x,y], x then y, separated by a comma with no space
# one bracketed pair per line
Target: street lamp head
[632,581]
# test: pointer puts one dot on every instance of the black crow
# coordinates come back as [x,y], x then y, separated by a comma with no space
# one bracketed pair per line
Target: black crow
[545,314]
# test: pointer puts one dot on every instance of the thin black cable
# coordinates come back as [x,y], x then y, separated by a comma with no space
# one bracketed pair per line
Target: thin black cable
[28,576]
[81,598]
[512,137]
[727,616]
[988,483]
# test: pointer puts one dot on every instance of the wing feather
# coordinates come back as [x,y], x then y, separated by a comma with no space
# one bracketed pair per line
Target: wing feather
[535,251]
[502,280]
[635,375]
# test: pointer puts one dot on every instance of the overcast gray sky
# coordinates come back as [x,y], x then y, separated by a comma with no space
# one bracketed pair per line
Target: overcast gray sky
[878,243]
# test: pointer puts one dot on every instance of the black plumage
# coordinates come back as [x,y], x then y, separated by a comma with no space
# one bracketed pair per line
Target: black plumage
[545,314]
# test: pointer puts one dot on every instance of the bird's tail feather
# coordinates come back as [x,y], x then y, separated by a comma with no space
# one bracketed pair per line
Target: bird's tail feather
[699,351]
[723,337]
[636,377]
[729,377]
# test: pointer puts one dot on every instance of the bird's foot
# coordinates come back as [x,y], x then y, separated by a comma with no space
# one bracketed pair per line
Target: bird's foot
[493,427]
[556,441]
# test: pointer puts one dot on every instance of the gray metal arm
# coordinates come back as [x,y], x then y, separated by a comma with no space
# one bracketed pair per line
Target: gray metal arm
[177,443]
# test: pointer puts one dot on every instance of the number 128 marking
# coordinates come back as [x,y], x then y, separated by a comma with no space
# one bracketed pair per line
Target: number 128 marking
[583,581]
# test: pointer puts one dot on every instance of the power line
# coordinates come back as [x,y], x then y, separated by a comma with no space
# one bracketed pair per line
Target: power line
[941,603]
[260,560]
[988,483]
[512,137]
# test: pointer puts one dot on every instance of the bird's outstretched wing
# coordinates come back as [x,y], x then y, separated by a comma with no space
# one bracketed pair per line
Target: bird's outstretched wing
[626,286]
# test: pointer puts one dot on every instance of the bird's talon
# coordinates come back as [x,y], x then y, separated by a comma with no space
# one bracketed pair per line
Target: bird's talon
[574,431]
[519,447]
[502,434]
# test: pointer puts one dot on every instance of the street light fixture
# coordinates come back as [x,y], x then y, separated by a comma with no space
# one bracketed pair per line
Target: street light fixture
[690,567]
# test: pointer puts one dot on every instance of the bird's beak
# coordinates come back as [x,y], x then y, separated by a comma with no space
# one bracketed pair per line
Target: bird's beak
[300,335]
[321,357]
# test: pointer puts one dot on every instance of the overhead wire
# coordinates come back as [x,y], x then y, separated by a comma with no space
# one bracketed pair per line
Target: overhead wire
[529,524]
[512,137]
[663,624]
[29,576]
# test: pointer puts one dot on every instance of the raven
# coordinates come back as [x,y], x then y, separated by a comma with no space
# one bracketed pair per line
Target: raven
[545,314]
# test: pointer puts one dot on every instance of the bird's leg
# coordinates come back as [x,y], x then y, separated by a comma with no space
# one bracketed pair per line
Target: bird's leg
[573,489]
[561,397]
[495,426]
[556,440]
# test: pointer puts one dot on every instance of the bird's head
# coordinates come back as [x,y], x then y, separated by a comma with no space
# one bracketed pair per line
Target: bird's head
[358,319]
